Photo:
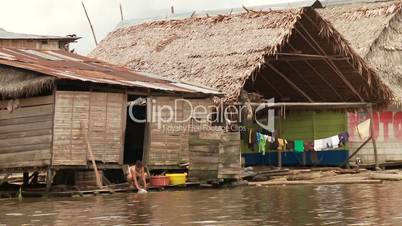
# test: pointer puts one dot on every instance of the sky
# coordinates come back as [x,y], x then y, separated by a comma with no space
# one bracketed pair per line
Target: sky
[64,17]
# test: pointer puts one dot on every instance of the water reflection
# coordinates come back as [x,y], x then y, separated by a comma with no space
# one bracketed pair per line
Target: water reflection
[292,205]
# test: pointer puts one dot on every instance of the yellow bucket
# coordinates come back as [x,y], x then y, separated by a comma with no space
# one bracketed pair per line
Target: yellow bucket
[177,178]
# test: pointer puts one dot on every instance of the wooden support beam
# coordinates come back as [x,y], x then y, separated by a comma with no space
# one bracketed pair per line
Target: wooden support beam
[370,112]
[279,134]
[321,76]
[355,152]
[25,179]
[270,85]
[49,178]
[289,82]
[324,80]
[304,80]
[330,63]
[303,56]
[318,28]
[312,105]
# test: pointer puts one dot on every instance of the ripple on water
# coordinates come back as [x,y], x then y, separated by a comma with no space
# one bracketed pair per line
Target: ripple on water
[301,205]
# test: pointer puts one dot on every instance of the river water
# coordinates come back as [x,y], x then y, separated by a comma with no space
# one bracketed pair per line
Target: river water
[379,204]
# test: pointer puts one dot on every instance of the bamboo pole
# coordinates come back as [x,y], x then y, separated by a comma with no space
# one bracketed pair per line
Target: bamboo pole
[90,24]
[121,12]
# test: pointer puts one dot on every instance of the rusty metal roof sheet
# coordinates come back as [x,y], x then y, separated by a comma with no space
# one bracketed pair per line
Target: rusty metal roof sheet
[64,65]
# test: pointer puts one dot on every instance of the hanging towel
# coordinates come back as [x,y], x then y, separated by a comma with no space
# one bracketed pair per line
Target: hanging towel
[282,144]
[364,129]
[343,138]
[320,145]
[327,143]
[299,146]
[335,141]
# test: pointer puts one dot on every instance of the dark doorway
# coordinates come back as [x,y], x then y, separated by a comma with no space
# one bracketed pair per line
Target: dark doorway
[135,132]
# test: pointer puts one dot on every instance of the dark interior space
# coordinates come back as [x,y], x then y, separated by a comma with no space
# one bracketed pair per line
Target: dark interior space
[135,131]
[309,68]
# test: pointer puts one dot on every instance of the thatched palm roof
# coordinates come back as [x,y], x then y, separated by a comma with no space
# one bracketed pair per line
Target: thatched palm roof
[250,51]
[16,83]
[375,31]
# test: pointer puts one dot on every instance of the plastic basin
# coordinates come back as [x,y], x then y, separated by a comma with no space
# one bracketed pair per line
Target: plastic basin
[159,181]
[177,178]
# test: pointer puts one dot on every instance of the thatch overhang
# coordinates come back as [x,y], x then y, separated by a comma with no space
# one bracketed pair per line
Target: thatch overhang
[292,55]
[16,83]
[374,29]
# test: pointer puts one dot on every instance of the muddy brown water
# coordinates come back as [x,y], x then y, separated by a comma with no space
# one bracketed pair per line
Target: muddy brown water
[379,204]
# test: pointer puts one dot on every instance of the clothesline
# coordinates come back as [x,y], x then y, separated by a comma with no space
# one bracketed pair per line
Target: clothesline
[268,141]
[265,142]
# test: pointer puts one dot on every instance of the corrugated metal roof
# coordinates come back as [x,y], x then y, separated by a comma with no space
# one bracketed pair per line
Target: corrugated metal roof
[12,35]
[64,65]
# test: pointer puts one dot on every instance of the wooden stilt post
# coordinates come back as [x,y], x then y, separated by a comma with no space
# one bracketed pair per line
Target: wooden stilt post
[370,111]
[49,178]
[25,179]
[278,135]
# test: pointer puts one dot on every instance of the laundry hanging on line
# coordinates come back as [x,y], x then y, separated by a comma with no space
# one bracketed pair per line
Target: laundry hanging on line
[363,129]
[266,142]
[299,146]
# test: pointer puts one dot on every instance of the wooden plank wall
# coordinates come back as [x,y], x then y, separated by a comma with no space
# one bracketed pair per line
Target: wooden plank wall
[30,44]
[170,148]
[101,114]
[164,147]
[26,132]
[230,156]
[214,155]
[204,156]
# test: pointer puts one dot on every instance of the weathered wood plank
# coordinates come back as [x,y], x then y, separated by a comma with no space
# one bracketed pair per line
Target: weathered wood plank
[29,119]
[26,127]
[23,148]
[43,139]
[25,159]
[27,112]
[28,102]
[25,134]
